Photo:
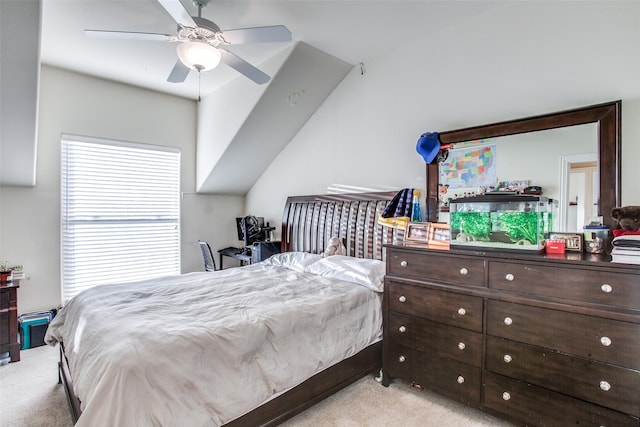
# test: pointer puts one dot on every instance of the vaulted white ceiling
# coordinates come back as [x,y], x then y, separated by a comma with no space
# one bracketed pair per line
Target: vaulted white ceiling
[353,31]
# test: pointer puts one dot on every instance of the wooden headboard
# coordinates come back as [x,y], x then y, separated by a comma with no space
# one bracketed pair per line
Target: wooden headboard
[308,222]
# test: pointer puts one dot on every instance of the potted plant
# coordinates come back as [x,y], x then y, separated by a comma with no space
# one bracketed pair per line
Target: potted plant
[6,273]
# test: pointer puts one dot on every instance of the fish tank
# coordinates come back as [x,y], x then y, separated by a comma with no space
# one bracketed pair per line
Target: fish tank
[501,221]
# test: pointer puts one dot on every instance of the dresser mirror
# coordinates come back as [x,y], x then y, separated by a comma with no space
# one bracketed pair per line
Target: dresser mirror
[549,141]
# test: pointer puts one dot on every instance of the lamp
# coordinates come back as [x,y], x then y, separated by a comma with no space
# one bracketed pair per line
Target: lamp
[199,55]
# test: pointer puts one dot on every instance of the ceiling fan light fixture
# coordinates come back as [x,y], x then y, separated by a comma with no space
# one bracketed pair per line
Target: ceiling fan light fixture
[199,55]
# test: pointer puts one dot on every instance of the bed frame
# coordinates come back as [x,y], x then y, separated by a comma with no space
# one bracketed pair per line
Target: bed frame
[307,224]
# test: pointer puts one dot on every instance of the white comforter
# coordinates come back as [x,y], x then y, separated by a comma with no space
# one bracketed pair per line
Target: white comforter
[201,349]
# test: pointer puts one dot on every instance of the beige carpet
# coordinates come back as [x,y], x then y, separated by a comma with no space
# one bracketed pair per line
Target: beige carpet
[30,396]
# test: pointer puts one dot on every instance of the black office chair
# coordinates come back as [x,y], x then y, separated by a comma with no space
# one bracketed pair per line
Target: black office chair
[207,256]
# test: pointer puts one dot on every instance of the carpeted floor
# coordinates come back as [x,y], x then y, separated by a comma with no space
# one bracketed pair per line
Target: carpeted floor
[30,396]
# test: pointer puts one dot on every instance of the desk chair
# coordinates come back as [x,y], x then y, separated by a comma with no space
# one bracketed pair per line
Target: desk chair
[207,256]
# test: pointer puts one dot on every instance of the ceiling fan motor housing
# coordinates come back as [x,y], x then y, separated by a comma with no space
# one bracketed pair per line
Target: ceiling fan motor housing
[206,31]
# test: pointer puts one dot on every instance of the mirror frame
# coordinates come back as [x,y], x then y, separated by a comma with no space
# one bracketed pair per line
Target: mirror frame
[608,119]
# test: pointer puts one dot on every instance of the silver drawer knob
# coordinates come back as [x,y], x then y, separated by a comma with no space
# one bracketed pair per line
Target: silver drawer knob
[461,346]
[464,271]
[509,277]
[462,311]
[402,298]
[403,263]
[506,395]
[401,359]
[507,358]
[508,321]
[402,329]
[605,386]
[606,288]
[605,341]
[460,379]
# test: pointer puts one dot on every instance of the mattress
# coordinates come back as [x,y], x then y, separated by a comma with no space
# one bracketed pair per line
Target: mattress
[202,349]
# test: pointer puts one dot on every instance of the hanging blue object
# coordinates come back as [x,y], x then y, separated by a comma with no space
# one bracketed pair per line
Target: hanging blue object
[428,146]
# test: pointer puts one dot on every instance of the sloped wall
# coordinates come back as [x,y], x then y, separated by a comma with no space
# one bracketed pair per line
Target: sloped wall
[242,128]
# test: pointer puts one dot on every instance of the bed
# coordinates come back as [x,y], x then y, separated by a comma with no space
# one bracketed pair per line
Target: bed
[246,346]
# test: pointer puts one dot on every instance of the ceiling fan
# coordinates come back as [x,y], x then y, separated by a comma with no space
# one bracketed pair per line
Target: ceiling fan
[202,43]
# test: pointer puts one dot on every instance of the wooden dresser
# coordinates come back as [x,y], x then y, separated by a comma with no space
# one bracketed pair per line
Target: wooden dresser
[9,320]
[531,339]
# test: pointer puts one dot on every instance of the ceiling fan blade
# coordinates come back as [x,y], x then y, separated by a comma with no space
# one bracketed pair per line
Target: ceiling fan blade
[129,35]
[272,34]
[179,73]
[178,12]
[243,67]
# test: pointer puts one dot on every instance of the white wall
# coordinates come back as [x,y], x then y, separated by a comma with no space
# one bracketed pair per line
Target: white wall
[520,60]
[223,113]
[19,70]
[77,104]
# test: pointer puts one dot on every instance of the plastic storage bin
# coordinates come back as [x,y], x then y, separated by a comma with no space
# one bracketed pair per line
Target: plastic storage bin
[500,221]
[595,238]
[32,328]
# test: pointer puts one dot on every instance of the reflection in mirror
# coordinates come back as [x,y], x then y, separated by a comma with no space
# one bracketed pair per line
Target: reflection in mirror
[573,155]
[578,191]
[562,162]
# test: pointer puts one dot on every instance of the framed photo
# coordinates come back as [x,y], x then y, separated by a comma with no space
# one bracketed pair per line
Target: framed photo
[417,232]
[572,241]
[439,235]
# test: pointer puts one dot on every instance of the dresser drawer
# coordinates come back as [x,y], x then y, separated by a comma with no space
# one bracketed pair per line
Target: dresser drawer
[459,344]
[536,406]
[596,286]
[401,363]
[463,311]
[606,340]
[455,380]
[610,386]
[436,267]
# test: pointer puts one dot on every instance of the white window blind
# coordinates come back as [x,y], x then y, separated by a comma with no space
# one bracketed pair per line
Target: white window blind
[120,212]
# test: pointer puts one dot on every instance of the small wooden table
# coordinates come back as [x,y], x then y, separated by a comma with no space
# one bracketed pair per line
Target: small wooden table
[9,319]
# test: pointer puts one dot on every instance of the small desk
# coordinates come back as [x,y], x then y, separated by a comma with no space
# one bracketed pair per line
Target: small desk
[256,253]
[244,257]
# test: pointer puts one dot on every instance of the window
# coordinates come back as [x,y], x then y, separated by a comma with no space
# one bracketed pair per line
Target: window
[120,212]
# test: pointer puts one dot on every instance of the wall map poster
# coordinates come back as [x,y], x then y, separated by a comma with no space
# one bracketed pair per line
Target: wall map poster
[471,167]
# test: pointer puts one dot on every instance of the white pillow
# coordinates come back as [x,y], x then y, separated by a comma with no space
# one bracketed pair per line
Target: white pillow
[297,261]
[365,272]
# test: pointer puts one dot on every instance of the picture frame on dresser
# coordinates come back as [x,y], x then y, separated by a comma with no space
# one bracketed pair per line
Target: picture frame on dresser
[417,232]
[439,235]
